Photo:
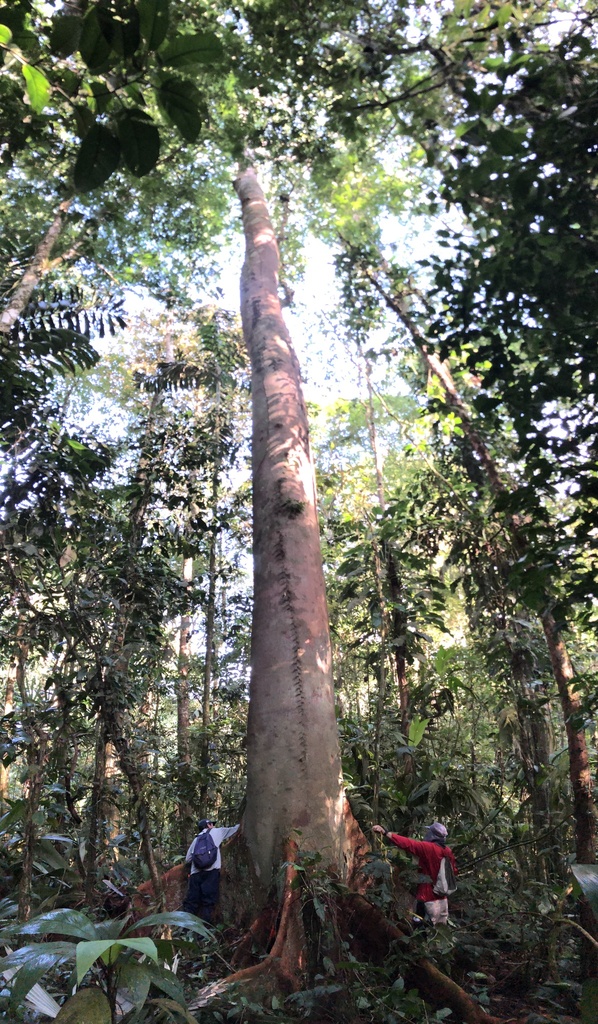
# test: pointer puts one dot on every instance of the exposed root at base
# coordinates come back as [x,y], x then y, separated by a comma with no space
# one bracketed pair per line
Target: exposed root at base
[369,925]
[283,970]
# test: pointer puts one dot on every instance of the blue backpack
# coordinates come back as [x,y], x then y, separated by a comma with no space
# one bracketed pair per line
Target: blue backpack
[204,852]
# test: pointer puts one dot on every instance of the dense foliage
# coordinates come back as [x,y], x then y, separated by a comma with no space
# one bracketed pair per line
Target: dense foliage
[446,156]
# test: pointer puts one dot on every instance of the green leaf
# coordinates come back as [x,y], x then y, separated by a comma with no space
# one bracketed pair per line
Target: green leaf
[504,13]
[95,48]
[200,48]
[176,1007]
[16,813]
[417,728]
[143,945]
[589,1001]
[136,979]
[5,35]
[89,1005]
[60,922]
[587,876]
[175,918]
[505,142]
[140,142]
[37,87]
[89,952]
[65,34]
[121,30]
[32,962]
[84,120]
[167,982]
[183,105]
[442,660]
[153,20]
[98,157]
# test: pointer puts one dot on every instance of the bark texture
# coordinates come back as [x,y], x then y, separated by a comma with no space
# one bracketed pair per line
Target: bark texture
[32,276]
[294,771]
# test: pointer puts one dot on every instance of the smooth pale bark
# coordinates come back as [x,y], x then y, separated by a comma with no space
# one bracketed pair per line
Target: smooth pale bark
[294,770]
[33,275]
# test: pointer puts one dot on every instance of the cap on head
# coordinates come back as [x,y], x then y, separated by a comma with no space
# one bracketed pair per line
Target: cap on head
[436,833]
[203,823]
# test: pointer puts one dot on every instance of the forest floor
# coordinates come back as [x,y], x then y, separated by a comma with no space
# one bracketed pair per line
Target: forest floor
[507,982]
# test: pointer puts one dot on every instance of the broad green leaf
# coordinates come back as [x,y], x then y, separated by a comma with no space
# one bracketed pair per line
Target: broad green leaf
[589,1001]
[89,952]
[31,962]
[98,157]
[37,87]
[153,20]
[84,120]
[417,728]
[5,35]
[442,660]
[175,918]
[89,1005]
[140,142]
[143,945]
[176,1007]
[587,876]
[121,30]
[15,814]
[60,922]
[30,973]
[65,34]
[183,105]
[50,856]
[199,48]
[504,13]
[505,142]
[136,979]
[95,48]
[167,982]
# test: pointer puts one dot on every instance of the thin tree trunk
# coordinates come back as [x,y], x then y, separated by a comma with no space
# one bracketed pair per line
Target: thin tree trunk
[9,694]
[396,627]
[294,777]
[134,778]
[185,808]
[33,275]
[110,809]
[92,851]
[210,614]
[37,755]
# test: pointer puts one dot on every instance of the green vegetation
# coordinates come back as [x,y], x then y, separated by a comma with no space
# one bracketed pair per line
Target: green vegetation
[445,155]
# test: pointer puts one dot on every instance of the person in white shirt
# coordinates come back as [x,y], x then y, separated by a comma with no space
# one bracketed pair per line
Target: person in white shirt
[204,883]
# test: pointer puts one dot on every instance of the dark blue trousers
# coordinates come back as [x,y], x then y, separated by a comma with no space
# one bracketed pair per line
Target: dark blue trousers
[202,893]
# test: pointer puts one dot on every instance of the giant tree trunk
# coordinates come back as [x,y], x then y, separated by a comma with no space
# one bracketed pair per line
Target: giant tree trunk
[294,772]
[295,796]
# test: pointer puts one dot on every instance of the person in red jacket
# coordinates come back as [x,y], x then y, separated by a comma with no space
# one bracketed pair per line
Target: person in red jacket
[429,853]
